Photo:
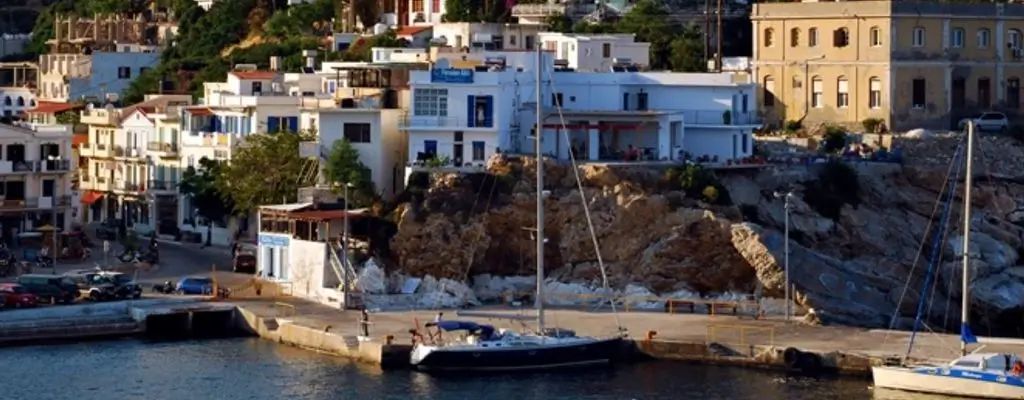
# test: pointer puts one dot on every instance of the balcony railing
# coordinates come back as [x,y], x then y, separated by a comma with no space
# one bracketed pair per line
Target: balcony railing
[54,166]
[162,147]
[164,186]
[35,202]
[417,121]
[129,186]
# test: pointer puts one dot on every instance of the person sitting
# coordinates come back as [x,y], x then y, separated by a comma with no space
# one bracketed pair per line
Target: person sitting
[631,153]
[1018,368]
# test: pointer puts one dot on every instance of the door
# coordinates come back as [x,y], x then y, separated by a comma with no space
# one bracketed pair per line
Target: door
[457,154]
[430,147]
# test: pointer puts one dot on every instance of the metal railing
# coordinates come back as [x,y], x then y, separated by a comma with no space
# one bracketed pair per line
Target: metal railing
[128,186]
[670,305]
[163,185]
[420,121]
[739,334]
[54,165]
[162,147]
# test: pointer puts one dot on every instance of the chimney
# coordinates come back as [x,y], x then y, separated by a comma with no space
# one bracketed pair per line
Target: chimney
[275,63]
[310,56]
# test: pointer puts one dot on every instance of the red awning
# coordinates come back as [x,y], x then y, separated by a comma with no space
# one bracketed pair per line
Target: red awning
[91,196]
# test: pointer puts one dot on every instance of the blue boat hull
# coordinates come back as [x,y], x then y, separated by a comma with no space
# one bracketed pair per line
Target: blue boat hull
[594,353]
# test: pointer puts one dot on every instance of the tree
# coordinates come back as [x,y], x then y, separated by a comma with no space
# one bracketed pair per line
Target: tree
[267,170]
[343,166]
[368,12]
[559,23]
[686,53]
[210,202]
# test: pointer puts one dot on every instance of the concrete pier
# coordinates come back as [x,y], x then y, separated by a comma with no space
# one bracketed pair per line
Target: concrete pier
[726,340]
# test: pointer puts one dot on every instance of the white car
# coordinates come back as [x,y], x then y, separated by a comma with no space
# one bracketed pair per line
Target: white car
[988,121]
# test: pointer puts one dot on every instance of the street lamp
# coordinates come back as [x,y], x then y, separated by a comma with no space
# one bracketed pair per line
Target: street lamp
[786,196]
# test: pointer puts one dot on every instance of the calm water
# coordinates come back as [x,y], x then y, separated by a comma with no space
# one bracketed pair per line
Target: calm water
[254,369]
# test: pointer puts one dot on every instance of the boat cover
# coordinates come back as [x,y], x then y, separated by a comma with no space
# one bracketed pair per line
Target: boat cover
[485,330]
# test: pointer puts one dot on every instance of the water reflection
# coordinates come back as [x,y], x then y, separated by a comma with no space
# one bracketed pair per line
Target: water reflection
[251,369]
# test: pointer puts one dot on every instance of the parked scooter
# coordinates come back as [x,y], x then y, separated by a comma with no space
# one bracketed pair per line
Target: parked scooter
[166,288]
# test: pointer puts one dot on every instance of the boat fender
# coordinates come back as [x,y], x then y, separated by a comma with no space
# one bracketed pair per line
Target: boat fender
[810,363]
[791,357]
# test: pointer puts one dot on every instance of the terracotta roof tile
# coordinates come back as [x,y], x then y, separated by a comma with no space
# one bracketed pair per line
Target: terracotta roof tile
[53,107]
[255,75]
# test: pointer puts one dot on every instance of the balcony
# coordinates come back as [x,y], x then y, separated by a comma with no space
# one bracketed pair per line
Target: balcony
[442,123]
[53,166]
[163,187]
[163,149]
[127,152]
[128,187]
[35,203]
[717,118]
[99,184]
[95,150]
[100,116]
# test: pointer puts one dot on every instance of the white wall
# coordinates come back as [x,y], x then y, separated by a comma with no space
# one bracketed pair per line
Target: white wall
[384,155]
[16,100]
[307,263]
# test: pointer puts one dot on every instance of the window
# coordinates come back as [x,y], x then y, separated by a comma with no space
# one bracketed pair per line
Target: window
[817,92]
[876,36]
[918,96]
[1013,39]
[641,100]
[478,151]
[124,73]
[356,132]
[257,87]
[984,93]
[7,100]
[812,37]
[841,37]
[606,50]
[512,40]
[556,99]
[20,102]
[436,5]
[769,37]
[875,93]
[956,38]
[768,96]
[984,36]
[842,92]
[917,38]
[794,37]
[417,6]
[430,102]
[1013,92]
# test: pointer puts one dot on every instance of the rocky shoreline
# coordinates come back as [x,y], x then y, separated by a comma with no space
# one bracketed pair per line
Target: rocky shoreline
[853,267]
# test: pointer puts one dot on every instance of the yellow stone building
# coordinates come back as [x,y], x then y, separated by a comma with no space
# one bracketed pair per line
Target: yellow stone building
[911,64]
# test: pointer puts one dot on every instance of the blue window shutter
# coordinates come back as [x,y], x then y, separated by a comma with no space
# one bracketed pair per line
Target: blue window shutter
[489,112]
[245,125]
[216,123]
[272,124]
[471,111]
[293,124]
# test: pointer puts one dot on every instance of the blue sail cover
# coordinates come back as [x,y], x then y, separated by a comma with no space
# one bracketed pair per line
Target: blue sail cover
[485,330]
[966,335]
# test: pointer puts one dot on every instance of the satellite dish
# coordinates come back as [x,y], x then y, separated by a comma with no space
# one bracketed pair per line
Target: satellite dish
[442,63]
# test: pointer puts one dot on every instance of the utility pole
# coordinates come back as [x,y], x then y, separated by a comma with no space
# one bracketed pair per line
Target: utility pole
[706,33]
[786,196]
[718,40]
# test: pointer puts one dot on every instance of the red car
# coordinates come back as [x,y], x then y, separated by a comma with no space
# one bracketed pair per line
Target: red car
[15,296]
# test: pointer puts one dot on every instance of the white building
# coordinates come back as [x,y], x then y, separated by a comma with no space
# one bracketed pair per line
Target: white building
[96,76]
[485,36]
[463,116]
[371,130]
[36,170]
[597,53]
[16,100]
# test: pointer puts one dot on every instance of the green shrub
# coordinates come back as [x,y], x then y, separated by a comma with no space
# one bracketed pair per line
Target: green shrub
[792,126]
[837,185]
[834,139]
[872,125]
[695,180]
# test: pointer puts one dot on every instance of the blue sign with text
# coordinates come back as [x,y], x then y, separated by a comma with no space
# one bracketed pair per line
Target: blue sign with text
[274,240]
[451,75]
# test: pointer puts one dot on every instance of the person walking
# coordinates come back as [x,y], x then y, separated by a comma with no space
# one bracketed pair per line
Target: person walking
[364,322]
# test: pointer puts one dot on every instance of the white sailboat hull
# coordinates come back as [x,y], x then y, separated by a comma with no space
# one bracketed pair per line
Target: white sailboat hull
[944,381]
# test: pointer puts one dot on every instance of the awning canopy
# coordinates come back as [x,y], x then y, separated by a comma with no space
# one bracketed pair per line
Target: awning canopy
[91,196]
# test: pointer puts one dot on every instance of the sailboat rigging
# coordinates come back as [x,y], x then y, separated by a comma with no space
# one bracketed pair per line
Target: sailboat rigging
[486,349]
[976,375]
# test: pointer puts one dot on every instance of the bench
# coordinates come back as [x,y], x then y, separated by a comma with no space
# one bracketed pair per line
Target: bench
[713,306]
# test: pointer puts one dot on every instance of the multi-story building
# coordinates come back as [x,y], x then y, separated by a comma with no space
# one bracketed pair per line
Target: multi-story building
[118,164]
[910,64]
[96,59]
[164,149]
[35,166]
[16,100]
[463,116]
[596,53]
[479,36]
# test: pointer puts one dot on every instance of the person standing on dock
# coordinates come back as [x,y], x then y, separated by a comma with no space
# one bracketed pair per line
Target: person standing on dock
[364,322]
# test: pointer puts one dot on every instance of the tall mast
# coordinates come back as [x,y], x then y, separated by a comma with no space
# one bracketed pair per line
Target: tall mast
[540,193]
[965,296]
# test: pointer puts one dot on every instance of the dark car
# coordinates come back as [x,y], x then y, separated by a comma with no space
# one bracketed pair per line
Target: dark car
[92,285]
[124,286]
[50,288]
[13,295]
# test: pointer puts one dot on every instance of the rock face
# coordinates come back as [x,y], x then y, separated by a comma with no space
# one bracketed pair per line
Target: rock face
[862,267]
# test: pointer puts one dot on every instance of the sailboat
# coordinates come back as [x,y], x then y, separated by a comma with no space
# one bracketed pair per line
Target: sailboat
[975,375]
[486,349]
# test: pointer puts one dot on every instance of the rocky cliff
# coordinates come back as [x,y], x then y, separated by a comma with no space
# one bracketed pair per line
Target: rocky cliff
[856,254]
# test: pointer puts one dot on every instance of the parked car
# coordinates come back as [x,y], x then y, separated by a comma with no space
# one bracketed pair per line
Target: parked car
[91,285]
[50,288]
[987,121]
[194,285]
[124,285]
[244,258]
[14,295]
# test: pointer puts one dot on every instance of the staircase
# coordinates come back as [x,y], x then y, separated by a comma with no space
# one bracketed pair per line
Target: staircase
[342,269]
